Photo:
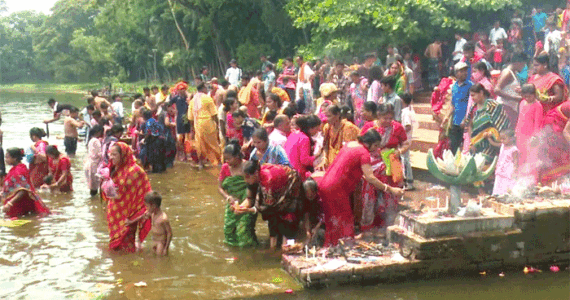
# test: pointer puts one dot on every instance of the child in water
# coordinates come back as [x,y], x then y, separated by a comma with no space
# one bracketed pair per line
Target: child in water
[161,232]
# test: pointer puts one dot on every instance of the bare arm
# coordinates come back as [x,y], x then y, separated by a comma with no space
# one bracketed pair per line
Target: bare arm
[558,94]
[502,83]
[369,176]
[404,147]
[62,179]
[57,117]
[168,231]
[566,132]
[19,195]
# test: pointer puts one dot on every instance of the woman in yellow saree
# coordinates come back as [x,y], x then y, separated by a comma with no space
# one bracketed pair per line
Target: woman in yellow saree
[202,114]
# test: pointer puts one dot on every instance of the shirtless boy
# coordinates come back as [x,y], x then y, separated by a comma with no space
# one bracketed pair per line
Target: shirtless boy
[161,233]
[70,125]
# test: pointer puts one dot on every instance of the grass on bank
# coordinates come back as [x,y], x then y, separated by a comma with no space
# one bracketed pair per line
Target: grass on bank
[78,88]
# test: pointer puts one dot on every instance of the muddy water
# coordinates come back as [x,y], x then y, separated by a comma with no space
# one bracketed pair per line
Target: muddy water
[65,256]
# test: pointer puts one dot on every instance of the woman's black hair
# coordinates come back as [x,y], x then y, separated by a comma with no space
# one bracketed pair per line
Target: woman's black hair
[147,114]
[104,121]
[251,166]
[228,104]
[239,113]
[96,113]
[233,148]
[201,86]
[231,94]
[478,88]
[290,110]
[52,151]
[270,116]
[117,128]
[16,153]
[370,106]
[36,131]
[305,123]
[370,137]
[310,183]
[384,109]
[94,130]
[334,109]
[275,99]
[375,74]
[261,134]
[346,113]
[542,59]
[482,66]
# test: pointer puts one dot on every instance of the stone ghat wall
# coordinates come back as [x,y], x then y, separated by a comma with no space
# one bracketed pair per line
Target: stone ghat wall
[540,236]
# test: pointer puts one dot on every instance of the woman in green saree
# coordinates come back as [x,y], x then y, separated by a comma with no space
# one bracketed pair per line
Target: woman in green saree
[239,230]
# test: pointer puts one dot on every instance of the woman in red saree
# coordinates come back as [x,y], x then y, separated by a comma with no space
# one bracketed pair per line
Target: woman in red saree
[18,194]
[379,208]
[39,167]
[60,169]
[554,141]
[131,185]
[550,86]
[341,181]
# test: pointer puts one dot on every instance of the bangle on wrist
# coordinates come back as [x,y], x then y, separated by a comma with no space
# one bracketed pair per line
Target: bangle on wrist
[385,187]
[255,210]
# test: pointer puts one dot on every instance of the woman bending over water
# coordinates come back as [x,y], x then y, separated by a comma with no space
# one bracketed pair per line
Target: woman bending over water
[239,229]
[18,194]
[60,169]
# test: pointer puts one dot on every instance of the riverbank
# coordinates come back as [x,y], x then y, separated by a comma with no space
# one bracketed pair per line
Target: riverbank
[78,88]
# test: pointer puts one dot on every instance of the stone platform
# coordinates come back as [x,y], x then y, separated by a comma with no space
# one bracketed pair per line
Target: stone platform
[532,233]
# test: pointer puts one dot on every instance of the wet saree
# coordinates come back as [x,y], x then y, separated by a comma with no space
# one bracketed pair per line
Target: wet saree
[280,199]
[239,230]
[202,111]
[16,181]
[39,168]
[132,185]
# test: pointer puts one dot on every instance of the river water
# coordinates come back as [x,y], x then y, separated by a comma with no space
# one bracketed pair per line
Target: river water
[65,256]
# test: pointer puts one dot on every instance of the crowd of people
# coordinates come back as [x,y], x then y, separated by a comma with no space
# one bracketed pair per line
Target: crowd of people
[317,149]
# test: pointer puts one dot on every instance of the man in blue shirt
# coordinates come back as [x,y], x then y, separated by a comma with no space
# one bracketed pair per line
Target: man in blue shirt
[539,21]
[459,101]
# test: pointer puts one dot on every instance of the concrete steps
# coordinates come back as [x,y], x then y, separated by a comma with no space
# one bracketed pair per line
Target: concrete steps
[425,138]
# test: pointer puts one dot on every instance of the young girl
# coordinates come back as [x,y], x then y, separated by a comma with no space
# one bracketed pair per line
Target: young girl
[506,171]
[529,122]
[60,169]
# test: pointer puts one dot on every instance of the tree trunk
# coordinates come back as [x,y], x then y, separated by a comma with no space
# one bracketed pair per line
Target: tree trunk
[186,45]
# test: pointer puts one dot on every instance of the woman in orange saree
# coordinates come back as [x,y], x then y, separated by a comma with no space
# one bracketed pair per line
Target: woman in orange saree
[203,114]
[18,194]
[130,184]
[337,132]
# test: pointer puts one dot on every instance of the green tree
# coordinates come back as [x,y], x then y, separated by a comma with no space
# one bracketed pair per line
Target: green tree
[343,27]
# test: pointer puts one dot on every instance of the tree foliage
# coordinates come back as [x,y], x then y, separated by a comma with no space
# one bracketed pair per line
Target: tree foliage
[120,40]
[352,26]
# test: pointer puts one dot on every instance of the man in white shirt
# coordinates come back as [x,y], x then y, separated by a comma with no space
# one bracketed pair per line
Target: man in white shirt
[553,39]
[304,75]
[118,109]
[458,51]
[233,74]
[497,33]
[282,128]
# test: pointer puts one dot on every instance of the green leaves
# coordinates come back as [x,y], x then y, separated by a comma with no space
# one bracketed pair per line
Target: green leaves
[402,21]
